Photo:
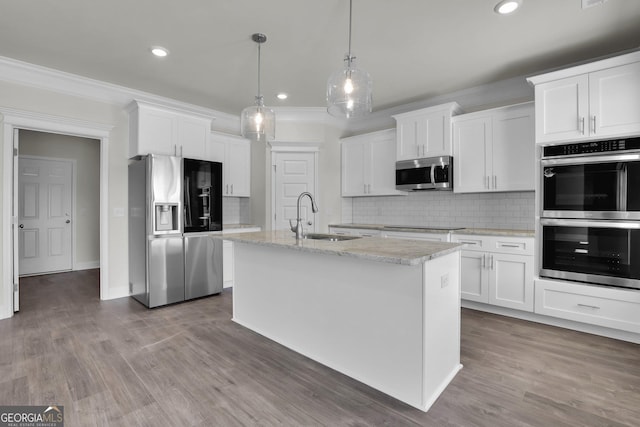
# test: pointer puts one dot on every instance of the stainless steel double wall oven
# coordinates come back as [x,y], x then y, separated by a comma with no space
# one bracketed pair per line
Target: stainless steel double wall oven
[590,222]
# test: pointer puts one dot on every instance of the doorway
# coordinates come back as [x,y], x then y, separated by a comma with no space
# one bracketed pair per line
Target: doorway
[294,173]
[12,122]
[58,203]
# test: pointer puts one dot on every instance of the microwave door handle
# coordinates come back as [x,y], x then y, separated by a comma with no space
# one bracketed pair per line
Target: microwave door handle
[622,188]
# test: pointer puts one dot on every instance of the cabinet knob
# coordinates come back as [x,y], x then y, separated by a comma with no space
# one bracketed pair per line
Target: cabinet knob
[21,226]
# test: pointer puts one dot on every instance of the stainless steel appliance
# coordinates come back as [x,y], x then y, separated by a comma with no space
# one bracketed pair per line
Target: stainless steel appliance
[431,173]
[168,196]
[602,252]
[590,222]
[597,180]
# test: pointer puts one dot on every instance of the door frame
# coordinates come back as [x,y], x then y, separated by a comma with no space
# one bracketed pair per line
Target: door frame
[74,183]
[12,119]
[288,147]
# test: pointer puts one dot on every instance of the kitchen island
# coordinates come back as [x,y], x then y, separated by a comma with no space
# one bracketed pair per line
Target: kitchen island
[385,312]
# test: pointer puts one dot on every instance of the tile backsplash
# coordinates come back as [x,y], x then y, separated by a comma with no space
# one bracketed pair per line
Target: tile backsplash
[513,210]
[236,210]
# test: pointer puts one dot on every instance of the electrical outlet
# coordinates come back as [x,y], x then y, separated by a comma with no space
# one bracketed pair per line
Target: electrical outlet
[444,280]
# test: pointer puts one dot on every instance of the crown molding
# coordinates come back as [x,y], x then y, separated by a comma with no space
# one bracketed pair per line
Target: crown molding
[31,75]
[494,94]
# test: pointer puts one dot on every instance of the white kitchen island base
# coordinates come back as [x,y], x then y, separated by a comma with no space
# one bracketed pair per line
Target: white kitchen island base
[393,327]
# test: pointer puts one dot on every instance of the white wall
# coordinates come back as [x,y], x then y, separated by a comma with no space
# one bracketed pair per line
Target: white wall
[86,153]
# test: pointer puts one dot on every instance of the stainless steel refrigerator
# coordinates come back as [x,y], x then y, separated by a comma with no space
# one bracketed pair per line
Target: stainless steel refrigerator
[174,205]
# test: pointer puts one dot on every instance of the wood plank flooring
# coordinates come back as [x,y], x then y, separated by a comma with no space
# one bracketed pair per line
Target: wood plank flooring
[115,363]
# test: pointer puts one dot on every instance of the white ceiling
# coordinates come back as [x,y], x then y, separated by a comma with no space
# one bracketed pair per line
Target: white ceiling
[413,49]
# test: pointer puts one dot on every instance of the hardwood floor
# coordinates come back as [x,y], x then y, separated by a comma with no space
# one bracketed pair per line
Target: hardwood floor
[115,363]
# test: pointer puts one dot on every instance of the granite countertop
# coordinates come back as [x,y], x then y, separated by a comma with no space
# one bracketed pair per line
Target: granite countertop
[235,226]
[440,229]
[395,251]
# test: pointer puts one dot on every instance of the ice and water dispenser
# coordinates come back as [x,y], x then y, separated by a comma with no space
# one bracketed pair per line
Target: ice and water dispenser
[166,217]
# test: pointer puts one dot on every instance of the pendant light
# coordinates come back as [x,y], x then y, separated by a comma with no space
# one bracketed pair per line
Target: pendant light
[349,91]
[257,121]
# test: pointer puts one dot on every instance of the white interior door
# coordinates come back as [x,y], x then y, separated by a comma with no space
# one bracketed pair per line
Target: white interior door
[294,173]
[44,215]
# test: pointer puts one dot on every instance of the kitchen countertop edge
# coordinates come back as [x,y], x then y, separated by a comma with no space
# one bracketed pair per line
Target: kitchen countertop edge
[478,231]
[394,251]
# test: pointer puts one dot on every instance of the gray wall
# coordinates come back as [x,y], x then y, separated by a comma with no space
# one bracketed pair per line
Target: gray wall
[86,153]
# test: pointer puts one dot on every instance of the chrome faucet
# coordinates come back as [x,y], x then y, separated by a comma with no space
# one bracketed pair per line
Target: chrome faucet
[298,227]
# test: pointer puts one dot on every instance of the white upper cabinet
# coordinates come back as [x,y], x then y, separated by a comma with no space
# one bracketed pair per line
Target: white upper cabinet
[368,165]
[235,155]
[425,132]
[589,102]
[154,129]
[494,150]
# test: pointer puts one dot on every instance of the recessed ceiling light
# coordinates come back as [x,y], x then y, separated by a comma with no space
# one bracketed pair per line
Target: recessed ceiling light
[282,96]
[506,7]
[159,51]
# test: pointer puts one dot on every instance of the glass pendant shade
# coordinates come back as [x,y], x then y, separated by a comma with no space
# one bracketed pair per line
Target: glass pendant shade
[258,122]
[349,91]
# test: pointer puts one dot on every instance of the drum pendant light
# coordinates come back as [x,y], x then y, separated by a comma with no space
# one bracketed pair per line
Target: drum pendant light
[349,91]
[258,122]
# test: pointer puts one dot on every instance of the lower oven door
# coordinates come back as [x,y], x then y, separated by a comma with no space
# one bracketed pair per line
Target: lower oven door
[602,252]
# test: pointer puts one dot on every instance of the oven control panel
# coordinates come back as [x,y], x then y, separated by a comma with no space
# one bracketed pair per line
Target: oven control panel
[594,147]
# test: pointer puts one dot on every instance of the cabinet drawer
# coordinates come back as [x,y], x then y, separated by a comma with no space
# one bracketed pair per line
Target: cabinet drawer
[496,244]
[471,242]
[596,305]
[418,235]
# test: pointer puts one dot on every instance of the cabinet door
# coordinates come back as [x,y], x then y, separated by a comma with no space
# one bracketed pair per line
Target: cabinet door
[193,137]
[562,109]
[238,168]
[227,264]
[614,96]
[513,150]
[216,151]
[157,132]
[511,281]
[353,157]
[380,166]
[434,134]
[407,133]
[471,155]
[474,284]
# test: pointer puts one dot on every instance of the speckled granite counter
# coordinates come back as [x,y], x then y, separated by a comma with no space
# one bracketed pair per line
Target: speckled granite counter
[395,251]
[424,229]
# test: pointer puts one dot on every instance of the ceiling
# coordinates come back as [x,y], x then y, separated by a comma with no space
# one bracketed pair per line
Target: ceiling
[413,49]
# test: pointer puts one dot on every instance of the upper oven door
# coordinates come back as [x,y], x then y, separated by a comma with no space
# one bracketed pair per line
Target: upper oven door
[600,187]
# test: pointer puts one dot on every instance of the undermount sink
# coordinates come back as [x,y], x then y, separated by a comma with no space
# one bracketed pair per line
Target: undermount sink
[329,237]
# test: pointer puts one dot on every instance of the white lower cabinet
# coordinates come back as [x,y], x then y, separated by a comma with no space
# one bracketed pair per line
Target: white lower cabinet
[227,255]
[227,263]
[596,305]
[497,270]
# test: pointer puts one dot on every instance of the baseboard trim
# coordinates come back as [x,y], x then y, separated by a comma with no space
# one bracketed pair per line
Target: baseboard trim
[88,265]
[553,321]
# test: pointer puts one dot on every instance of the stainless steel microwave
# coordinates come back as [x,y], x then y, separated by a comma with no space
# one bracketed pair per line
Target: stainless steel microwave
[432,173]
